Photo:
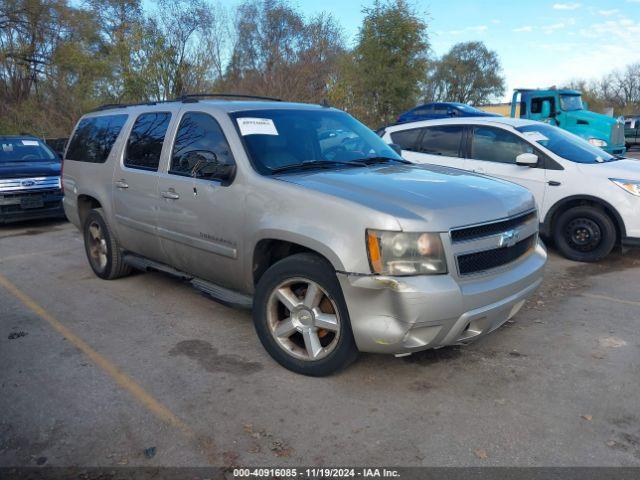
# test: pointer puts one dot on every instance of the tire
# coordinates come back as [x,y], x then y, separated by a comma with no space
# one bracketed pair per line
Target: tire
[102,248]
[584,234]
[291,330]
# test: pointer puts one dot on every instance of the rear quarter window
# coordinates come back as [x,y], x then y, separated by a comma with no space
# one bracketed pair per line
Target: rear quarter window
[442,140]
[406,139]
[94,137]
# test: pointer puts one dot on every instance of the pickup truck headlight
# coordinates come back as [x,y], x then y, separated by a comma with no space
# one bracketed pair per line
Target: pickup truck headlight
[596,142]
[631,186]
[405,253]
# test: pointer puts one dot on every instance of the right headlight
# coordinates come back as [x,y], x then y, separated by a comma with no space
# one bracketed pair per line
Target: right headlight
[631,186]
[405,253]
[596,142]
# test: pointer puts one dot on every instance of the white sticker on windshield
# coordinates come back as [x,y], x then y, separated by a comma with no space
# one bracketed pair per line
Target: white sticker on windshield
[535,136]
[256,126]
[30,143]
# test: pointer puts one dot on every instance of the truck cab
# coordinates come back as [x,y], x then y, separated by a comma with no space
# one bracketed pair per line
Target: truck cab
[565,109]
[632,131]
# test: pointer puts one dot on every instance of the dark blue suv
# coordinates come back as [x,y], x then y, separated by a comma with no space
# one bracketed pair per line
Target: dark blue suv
[29,179]
[430,111]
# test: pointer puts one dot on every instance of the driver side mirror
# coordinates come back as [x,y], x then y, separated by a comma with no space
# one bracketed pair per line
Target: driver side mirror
[204,164]
[527,160]
[396,148]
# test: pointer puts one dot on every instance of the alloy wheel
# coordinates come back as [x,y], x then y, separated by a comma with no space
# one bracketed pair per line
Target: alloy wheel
[303,319]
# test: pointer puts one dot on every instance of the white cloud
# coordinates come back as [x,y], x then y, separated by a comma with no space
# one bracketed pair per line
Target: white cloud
[524,28]
[495,21]
[474,29]
[553,27]
[624,29]
[566,6]
[608,13]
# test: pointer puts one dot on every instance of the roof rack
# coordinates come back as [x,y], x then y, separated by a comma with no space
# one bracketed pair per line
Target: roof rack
[193,97]
[109,106]
[188,98]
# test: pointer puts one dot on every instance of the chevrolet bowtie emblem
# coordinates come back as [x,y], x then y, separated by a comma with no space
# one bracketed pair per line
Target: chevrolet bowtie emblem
[509,238]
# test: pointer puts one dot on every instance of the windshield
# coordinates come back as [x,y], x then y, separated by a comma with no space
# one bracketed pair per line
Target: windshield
[280,138]
[467,108]
[25,150]
[565,144]
[569,103]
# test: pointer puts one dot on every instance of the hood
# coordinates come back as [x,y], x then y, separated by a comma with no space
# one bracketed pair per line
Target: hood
[589,124]
[414,194]
[627,169]
[24,169]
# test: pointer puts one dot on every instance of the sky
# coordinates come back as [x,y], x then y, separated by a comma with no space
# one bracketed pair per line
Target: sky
[540,42]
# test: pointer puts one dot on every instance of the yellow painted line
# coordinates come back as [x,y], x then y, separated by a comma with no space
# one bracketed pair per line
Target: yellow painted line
[611,299]
[121,378]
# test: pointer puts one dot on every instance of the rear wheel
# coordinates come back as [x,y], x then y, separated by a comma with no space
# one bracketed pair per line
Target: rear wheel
[102,248]
[584,234]
[301,317]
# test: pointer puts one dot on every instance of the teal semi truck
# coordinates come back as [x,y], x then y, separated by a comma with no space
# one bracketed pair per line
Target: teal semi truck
[565,109]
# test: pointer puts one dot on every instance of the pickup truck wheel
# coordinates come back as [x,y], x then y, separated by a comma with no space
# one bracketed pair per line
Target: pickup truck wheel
[301,317]
[585,234]
[103,252]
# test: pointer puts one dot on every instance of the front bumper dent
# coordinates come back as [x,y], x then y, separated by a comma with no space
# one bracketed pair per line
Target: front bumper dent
[406,314]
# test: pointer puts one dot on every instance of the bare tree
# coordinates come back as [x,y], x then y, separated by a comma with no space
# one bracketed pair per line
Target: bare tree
[276,52]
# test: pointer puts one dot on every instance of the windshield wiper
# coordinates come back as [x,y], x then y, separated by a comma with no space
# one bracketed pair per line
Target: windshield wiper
[378,160]
[314,164]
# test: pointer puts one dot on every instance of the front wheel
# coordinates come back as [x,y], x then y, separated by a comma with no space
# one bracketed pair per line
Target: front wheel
[584,234]
[301,317]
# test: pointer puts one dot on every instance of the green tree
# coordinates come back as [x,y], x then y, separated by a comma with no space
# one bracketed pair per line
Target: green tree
[381,76]
[468,73]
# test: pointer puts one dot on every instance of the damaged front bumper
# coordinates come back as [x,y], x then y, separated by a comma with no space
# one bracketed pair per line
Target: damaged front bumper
[400,315]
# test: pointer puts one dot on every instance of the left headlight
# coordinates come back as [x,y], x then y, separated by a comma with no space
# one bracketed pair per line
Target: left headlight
[631,186]
[405,253]
[596,142]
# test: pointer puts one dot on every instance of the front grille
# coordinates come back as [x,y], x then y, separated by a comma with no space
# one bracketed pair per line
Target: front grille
[617,134]
[488,229]
[488,259]
[34,183]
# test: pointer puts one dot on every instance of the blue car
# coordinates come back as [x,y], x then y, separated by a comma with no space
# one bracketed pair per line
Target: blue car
[430,111]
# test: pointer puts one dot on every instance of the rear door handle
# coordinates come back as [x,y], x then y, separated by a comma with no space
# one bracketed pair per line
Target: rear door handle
[554,183]
[170,194]
[121,184]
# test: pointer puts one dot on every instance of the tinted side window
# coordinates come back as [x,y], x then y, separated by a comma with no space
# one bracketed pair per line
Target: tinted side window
[497,145]
[146,139]
[94,137]
[200,149]
[442,140]
[407,139]
[536,104]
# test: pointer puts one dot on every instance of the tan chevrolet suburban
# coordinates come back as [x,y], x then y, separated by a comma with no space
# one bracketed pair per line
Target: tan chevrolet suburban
[306,216]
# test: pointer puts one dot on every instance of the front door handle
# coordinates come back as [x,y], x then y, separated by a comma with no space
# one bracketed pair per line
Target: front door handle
[121,184]
[170,194]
